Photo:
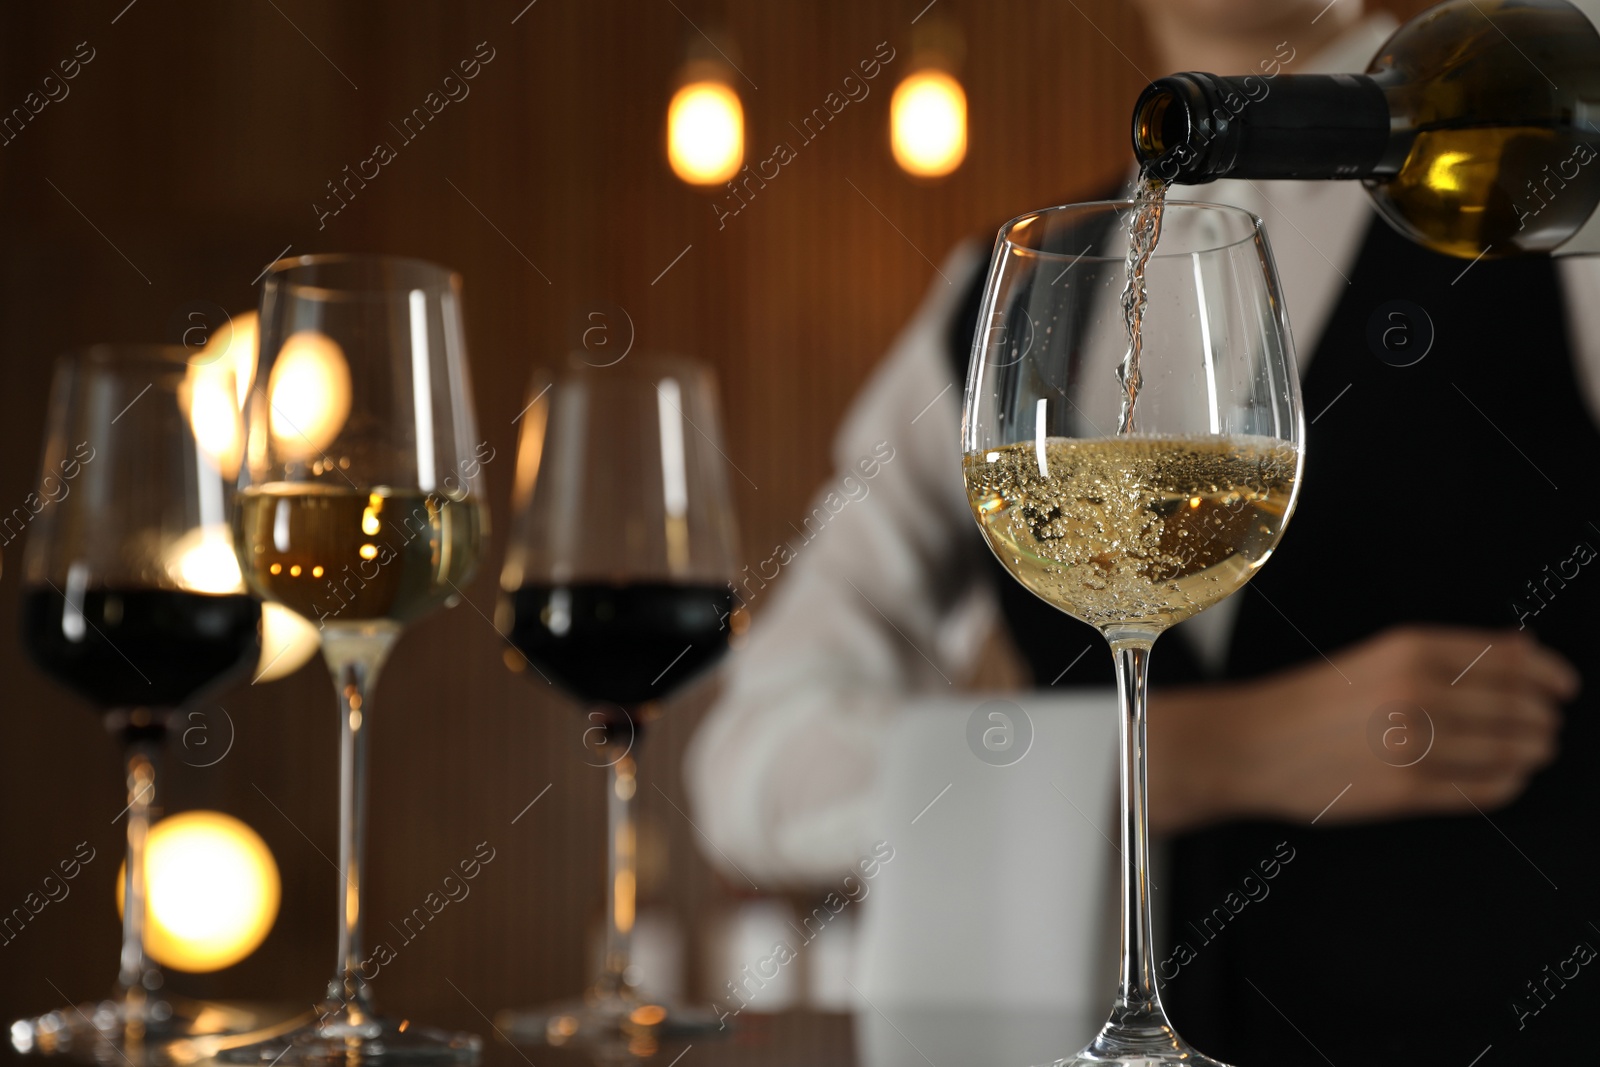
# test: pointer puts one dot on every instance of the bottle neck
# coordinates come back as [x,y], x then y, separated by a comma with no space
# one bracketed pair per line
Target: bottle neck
[1193,128]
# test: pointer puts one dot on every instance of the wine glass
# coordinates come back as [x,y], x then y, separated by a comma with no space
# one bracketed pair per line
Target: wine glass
[1133,531]
[133,600]
[617,588]
[361,508]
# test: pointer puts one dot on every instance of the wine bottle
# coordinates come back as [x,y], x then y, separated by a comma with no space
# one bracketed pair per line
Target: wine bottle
[1476,128]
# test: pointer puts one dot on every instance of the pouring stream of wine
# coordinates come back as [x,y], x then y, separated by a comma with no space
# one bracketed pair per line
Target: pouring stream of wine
[1143,233]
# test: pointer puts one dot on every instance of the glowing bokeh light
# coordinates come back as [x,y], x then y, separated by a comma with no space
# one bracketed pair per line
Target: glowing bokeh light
[309,395]
[203,561]
[214,391]
[705,133]
[214,417]
[235,347]
[288,640]
[928,123]
[212,891]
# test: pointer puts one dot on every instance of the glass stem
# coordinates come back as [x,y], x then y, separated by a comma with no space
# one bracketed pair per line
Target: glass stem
[354,660]
[1138,1023]
[621,884]
[137,976]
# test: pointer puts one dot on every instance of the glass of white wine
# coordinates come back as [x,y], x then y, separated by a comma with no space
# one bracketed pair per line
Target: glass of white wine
[361,507]
[1133,498]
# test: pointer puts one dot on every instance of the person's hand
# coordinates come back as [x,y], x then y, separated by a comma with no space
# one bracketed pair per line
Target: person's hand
[1285,746]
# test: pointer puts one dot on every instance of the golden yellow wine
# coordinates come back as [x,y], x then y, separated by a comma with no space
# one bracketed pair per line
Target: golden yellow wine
[1473,128]
[1134,532]
[349,558]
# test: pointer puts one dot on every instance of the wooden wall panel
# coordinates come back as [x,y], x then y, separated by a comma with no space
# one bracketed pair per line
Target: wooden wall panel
[190,152]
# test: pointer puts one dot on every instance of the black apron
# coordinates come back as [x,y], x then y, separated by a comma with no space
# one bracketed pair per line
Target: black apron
[1433,493]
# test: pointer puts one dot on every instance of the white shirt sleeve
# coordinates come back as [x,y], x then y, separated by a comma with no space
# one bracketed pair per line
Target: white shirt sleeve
[872,607]
[1579,278]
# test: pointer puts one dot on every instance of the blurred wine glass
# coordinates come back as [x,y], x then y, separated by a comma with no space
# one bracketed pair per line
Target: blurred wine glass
[132,599]
[361,508]
[617,588]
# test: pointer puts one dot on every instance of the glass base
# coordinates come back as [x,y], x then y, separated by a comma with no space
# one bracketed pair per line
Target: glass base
[1165,1058]
[374,1041]
[1154,1044]
[158,1030]
[625,1019]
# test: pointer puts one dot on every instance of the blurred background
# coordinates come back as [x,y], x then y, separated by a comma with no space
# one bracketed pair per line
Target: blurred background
[200,141]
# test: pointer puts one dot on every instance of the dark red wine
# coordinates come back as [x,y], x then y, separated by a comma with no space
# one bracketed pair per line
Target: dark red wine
[621,644]
[144,648]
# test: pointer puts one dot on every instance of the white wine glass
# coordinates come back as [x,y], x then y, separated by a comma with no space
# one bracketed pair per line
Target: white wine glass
[361,508]
[1133,531]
